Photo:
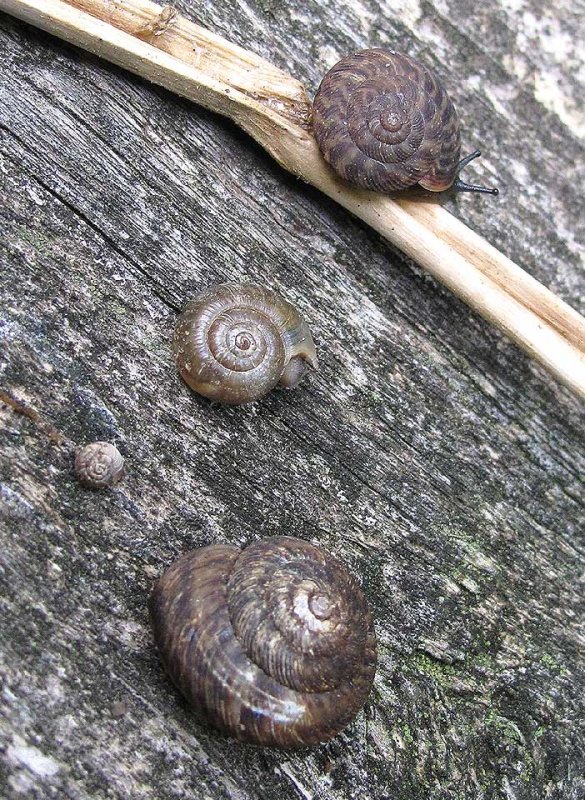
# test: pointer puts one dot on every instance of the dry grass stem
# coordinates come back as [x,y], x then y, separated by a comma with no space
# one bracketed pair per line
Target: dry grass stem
[160,45]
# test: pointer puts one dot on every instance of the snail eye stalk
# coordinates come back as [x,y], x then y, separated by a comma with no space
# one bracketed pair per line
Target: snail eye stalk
[461,186]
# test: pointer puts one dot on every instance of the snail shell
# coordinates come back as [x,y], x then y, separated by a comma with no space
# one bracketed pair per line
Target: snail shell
[383,121]
[275,643]
[235,342]
[98,465]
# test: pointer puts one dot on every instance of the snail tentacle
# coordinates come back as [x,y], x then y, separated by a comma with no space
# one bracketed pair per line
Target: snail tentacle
[461,186]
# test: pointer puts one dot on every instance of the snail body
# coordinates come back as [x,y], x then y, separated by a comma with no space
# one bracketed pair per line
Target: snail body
[275,643]
[384,122]
[235,342]
[99,465]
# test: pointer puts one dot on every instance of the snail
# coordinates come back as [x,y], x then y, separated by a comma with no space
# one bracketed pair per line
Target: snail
[274,643]
[235,342]
[98,465]
[384,122]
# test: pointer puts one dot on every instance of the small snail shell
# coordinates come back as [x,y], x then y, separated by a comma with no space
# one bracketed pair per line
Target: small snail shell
[383,121]
[98,465]
[275,643]
[235,342]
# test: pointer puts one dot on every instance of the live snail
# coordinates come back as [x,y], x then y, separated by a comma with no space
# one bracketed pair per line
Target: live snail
[385,122]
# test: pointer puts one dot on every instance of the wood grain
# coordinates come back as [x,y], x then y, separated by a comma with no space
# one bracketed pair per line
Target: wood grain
[429,452]
[158,44]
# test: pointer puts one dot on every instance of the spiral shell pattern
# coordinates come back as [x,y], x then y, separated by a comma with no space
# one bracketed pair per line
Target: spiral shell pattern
[274,643]
[235,342]
[384,122]
[98,465]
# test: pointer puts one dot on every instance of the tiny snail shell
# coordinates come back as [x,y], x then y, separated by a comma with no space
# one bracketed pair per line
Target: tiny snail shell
[98,465]
[383,121]
[235,342]
[274,643]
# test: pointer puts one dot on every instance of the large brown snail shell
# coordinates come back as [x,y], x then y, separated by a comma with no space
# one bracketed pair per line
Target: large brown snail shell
[385,122]
[274,643]
[235,342]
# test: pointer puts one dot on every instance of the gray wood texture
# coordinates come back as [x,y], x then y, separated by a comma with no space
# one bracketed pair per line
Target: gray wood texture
[443,466]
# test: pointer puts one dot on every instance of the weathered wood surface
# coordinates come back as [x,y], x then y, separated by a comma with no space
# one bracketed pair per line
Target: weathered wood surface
[429,452]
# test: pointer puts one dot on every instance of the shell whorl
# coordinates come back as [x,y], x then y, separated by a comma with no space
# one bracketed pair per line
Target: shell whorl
[235,342]
[274,643]
[384,122]
[99,465]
